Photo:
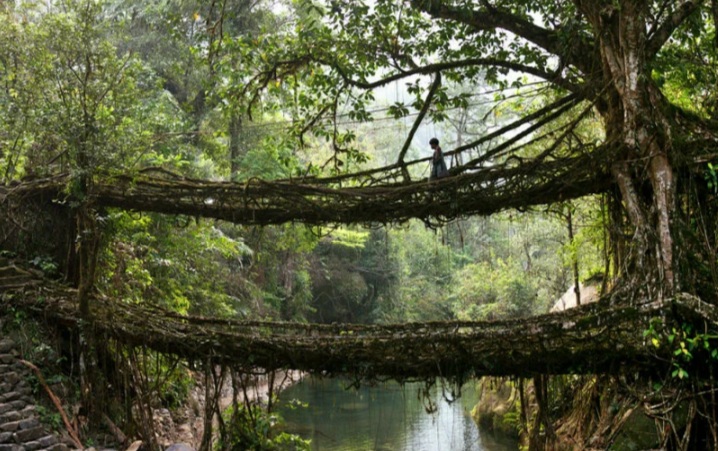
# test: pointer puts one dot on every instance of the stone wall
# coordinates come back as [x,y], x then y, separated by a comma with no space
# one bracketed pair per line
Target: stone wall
[20,427]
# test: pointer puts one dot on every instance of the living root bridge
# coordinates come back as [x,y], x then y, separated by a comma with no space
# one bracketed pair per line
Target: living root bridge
[593,338]
[346,201]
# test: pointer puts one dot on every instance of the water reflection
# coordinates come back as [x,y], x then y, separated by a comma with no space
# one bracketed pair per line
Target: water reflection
[385,417]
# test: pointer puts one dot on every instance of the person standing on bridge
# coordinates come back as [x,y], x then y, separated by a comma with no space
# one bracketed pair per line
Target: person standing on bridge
[438,165]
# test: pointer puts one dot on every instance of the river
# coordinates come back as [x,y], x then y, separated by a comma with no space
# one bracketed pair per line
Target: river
[387,417]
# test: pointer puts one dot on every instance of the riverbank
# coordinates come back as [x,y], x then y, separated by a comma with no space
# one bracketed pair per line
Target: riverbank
[185,424]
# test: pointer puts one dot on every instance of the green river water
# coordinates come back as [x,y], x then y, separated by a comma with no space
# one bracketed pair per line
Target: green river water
[387,417]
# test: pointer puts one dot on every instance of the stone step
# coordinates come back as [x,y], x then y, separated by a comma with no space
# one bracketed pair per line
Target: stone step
[10,427]
[47,441]
[20,428]
[11,396]
[58,447]
[29,411]
[6,345]
[31,434]
[10,417]
[31,446]
[7,358]
[12,377]
[19,405]
[29,423]
[22,387]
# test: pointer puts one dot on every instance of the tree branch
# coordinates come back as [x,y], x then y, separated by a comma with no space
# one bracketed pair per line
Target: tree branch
[58,405]
[493,18]
[571,99]
[434,68]
[495,151]
[424,109]
[674,21]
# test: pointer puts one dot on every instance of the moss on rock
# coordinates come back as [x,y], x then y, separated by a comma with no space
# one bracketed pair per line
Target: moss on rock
[498,409]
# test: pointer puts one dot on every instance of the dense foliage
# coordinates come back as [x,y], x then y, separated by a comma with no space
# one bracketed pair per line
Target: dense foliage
[256,89]
[98,88]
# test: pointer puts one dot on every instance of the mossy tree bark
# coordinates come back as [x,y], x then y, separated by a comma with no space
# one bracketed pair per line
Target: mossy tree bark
[634,113]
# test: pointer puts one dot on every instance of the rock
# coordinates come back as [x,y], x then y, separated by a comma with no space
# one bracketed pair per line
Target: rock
[22,386]
[18,405]
[27,435]
[11,448]
[4,408]
[12,378]
[7,358]
[135,446]
[589,293]
[28,424]
[31,446]
[11,396]
[47,441]
[6,346]
[180,447]
[9,427]
[58,447]
[11,416]
[28,411]
[496,407]
[5,437]
[638,432]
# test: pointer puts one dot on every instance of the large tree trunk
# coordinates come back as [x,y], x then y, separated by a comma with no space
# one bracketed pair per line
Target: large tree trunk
[645,135]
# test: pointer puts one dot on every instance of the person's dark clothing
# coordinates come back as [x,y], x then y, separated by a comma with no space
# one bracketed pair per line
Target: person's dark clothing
[438,165]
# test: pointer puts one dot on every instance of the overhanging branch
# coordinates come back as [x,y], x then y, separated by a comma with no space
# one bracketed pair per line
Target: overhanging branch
[672,22]
[451,65]
[578,54]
